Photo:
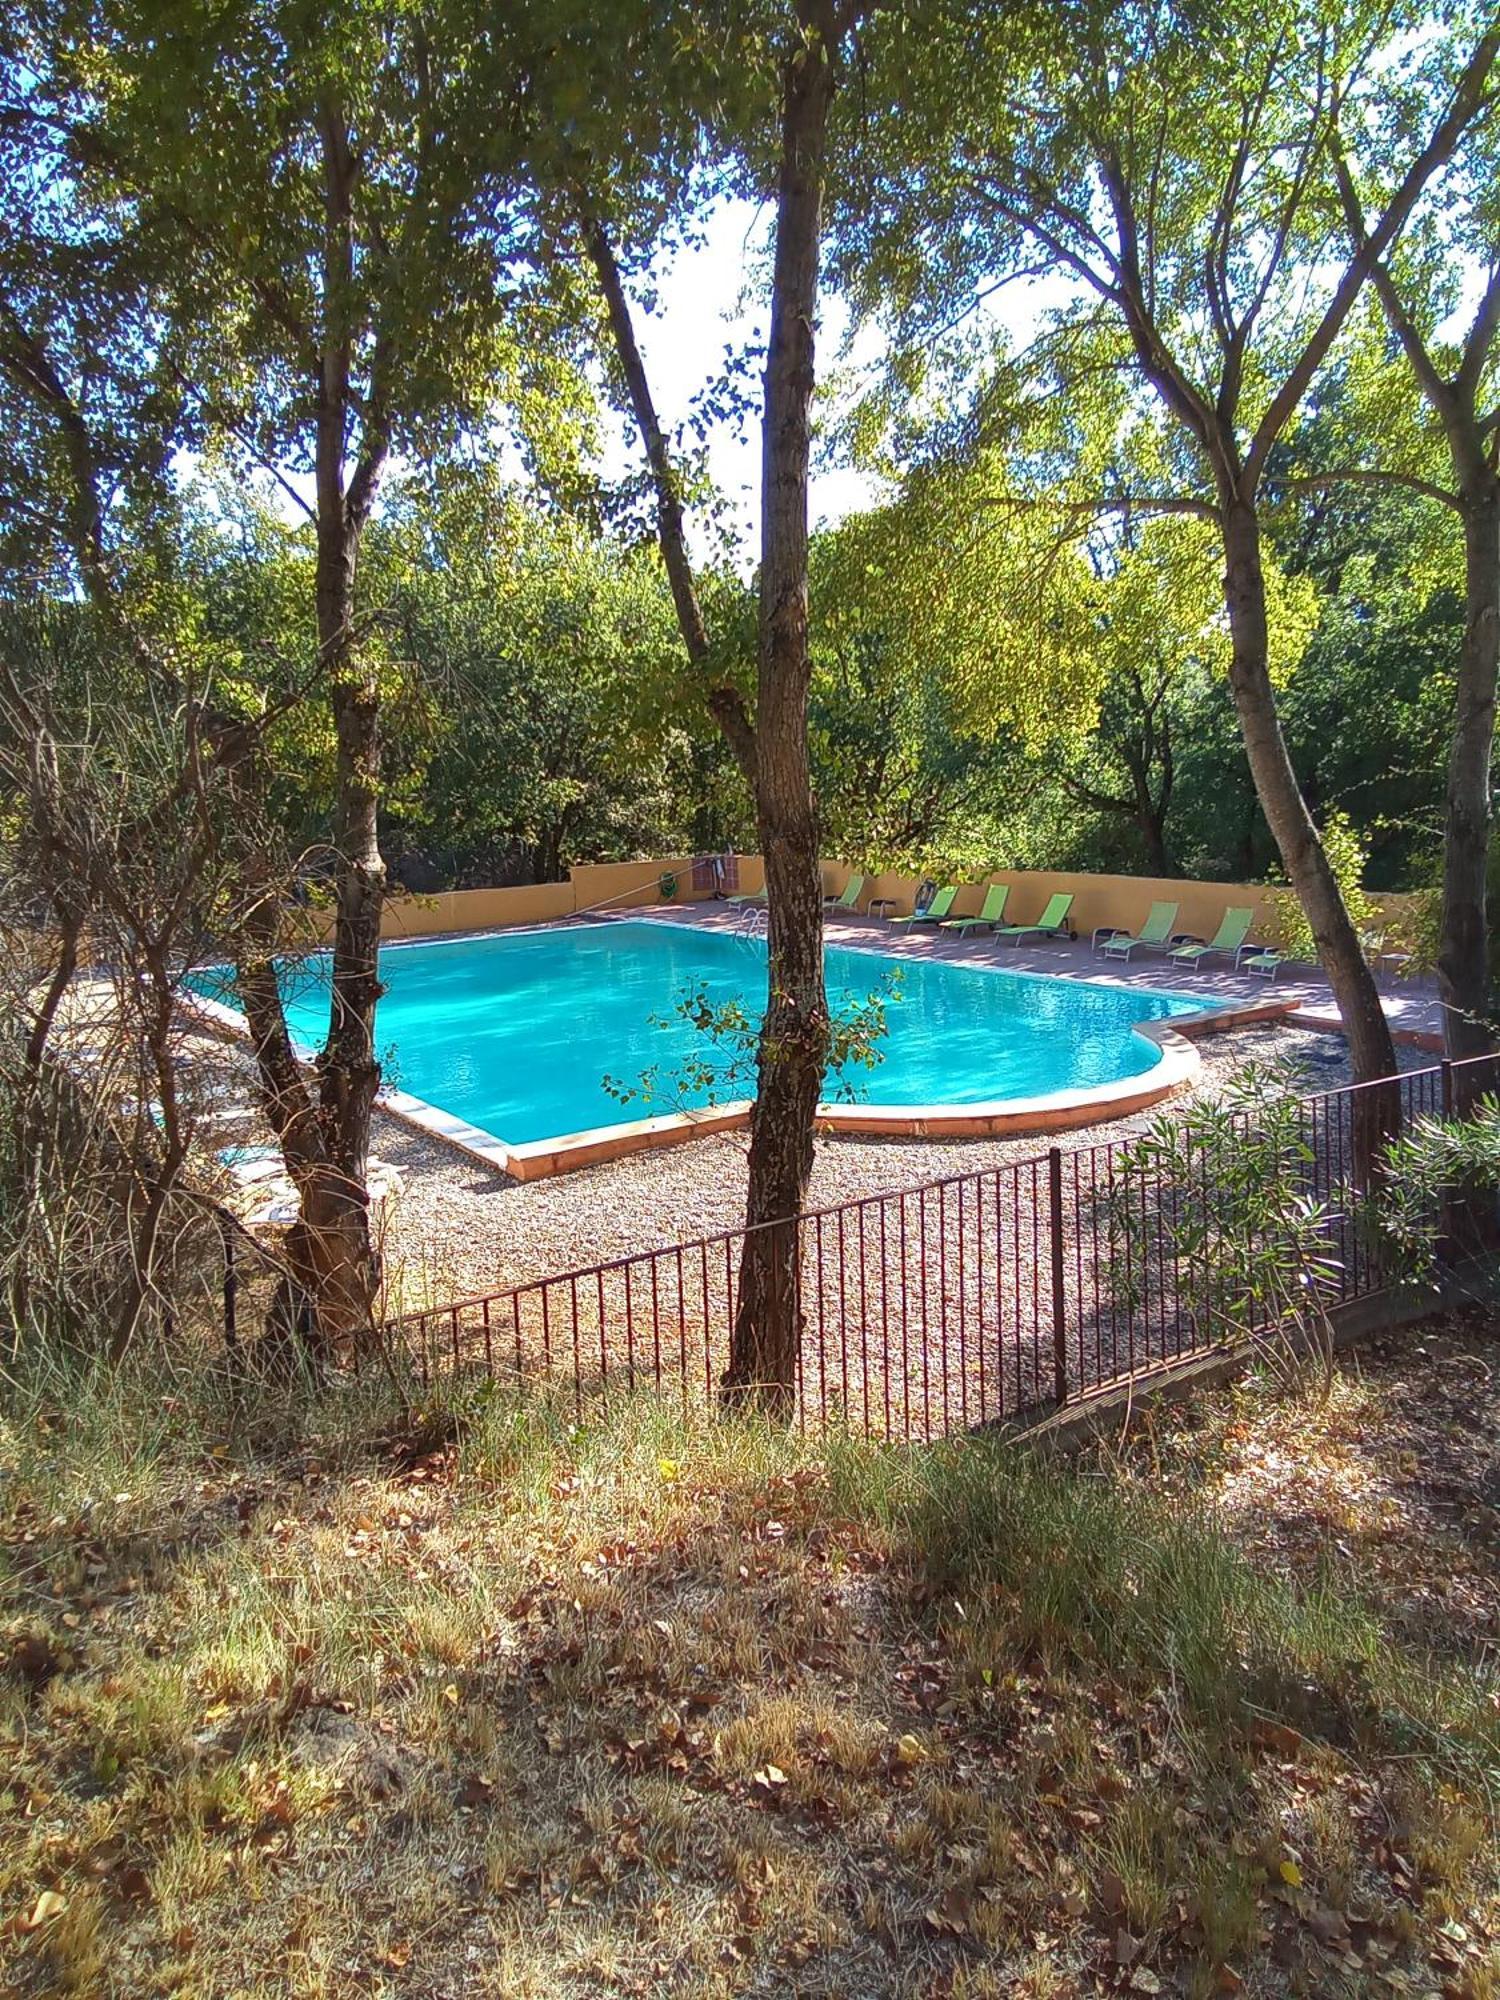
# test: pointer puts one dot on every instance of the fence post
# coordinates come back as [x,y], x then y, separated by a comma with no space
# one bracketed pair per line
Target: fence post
[1445,1069]
[1059,1300]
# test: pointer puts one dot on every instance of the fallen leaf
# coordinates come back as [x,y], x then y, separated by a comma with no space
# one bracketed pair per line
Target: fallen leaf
[1291,1874]
[952,1914]
[34,1659]
[1109,1894]
[49,1904]
[1276,1736]
[1330,1927]
[134,1884]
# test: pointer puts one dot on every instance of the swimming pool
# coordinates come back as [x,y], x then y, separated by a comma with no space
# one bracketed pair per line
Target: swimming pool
[513,1035]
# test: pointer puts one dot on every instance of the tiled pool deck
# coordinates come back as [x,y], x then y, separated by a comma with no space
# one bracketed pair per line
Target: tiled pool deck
[1411,1005]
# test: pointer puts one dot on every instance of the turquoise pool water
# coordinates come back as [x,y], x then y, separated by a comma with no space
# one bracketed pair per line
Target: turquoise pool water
[515,1034]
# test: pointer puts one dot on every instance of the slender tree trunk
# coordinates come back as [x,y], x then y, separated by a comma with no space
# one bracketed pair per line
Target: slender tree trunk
[1463,954]
[335,1206]
[35,1093]
[722,699]
[794,1039]
[335,1219]
[328,1248]
[1371,1051]
[146,1201]
[1463,946]
[1153,840]
[1154,806]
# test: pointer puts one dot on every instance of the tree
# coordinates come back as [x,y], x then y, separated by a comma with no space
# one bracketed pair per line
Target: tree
[540,723]
[110,829]
[1174,179]
[903,778]
[1459,380]
[771,749]
[350,273]
[1156,634]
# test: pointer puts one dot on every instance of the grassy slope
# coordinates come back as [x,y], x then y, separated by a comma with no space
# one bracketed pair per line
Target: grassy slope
[633,1709]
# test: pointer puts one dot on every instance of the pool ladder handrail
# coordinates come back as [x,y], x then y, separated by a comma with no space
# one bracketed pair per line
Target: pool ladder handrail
[752,923]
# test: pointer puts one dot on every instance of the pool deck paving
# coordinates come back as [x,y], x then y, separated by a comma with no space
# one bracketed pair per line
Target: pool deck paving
[1234,998]
[1412,1005]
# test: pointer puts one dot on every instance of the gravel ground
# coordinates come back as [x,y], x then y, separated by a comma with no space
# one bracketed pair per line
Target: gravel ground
[924,1314]
[461,1228]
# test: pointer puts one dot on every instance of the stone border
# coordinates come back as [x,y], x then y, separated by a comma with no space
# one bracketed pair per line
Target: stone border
[1012,1117]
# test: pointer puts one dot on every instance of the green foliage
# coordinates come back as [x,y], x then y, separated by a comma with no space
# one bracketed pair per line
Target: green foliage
[1220,1197]
[544,733]
[723,1069]
[1441,1171]
[1286,926]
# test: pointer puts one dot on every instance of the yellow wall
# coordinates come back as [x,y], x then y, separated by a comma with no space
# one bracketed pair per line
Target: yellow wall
[475,909]
[632,885]
[614,885]
[1123,900]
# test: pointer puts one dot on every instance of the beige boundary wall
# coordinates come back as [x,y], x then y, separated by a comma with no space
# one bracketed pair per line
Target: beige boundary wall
[613,885]
[1123,900]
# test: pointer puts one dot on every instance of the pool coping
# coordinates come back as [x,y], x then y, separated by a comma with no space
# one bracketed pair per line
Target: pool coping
[1009,1117]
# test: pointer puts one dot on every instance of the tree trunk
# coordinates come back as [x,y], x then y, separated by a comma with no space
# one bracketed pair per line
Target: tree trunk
[722,699]
[328,1248]
[335,1219]
[147,1198]
[1371,1051]
[1154,841]
[1463,954]
[349,1075]
[767,1338]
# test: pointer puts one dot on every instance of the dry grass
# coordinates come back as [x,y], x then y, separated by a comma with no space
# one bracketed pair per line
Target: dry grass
[629,1708]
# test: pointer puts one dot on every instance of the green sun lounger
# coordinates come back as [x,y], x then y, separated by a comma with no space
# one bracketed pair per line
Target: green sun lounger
[1234,929]
[935,912]
[1154,934]
[990,914]
[854,888]
[758,898]
[1266,963]
[1053,922]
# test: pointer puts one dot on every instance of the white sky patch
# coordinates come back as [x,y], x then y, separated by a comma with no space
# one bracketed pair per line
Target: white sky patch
[713,295]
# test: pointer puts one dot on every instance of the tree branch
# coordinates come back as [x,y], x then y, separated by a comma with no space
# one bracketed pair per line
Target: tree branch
[724,701]
[1371,476]
[1439,148]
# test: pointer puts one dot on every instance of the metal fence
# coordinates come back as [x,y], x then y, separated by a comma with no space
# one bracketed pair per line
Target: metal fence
[934,1309]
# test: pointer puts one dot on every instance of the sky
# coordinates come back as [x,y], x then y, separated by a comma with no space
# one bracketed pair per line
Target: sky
[712,294]
[715,293]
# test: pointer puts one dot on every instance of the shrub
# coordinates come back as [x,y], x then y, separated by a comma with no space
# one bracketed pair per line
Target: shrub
[1285,922]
